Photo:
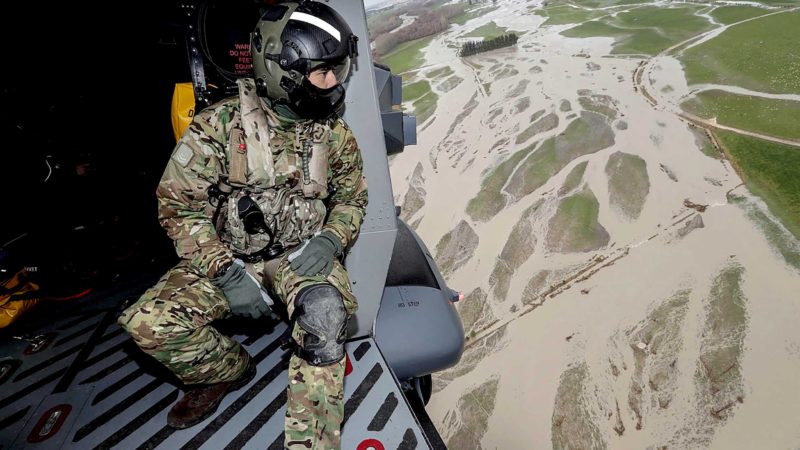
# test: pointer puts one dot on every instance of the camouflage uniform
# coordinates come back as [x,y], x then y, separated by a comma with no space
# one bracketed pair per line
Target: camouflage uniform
[171,320]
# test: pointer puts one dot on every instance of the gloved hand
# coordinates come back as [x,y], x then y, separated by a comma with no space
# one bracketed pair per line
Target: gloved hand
[243,291]
[316,255]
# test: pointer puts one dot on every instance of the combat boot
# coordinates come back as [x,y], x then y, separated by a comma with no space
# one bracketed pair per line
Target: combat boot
[202,400]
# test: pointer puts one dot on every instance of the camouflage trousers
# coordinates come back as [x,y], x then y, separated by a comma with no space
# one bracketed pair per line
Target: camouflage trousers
[171,322]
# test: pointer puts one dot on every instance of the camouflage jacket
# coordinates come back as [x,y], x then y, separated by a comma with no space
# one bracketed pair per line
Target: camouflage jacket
[203,154]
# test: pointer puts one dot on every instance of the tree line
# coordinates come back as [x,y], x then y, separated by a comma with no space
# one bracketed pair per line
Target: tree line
[472,47]
[428,21]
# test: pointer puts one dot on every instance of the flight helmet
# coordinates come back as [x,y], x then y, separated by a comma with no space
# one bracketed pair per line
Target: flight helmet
[292,39]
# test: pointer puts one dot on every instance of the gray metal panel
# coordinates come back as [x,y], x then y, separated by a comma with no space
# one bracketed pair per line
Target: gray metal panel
[409,129]
[226,433]
[397,90]
[393,131]
[121,398]
[437,340]
[76,399]
[371,383]
[367,271]
[369,259]
[418,330]
[363,116]
[383,89]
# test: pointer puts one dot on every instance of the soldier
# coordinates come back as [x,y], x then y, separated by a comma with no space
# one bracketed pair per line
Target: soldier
[262,196]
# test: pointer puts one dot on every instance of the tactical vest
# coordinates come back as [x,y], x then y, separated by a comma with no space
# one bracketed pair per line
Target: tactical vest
[292,211]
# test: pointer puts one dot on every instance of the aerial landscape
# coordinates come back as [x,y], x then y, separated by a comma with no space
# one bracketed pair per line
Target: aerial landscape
[614,185]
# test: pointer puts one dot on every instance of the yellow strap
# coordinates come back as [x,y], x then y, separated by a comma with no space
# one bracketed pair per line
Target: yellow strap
[182,108]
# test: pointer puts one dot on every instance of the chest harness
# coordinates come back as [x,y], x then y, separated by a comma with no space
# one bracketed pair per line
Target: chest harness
[257,217]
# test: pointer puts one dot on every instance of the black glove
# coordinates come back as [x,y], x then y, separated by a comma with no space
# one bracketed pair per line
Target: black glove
[244,293]
[316,255]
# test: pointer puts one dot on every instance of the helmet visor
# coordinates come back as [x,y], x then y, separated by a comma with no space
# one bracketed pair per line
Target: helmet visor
[340,68]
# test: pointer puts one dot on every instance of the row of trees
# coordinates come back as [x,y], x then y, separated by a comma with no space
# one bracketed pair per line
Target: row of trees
[382,23]
[472,47]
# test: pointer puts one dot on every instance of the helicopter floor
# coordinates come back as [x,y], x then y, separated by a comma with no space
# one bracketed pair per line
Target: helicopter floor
[78,381]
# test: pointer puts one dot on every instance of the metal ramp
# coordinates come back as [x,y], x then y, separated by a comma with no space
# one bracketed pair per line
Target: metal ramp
[82,383]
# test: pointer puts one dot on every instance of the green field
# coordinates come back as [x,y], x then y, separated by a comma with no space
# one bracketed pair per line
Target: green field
[780,118]
[588,134]
[637,42]
[471,14]
[416,90]
[628,183]
[450,83]
[574,227]
[761,55]
[601,104]
[425,106]
[488,31]
[591,3]
[646,30]
[546,123]
[771,171]
[607,3]
[441,72]
[407,56]
[490,200]
[574,178]
[564,14]
[733,14]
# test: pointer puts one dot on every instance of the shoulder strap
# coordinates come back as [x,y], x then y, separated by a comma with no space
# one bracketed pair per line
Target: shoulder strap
[251,139]
[238,168]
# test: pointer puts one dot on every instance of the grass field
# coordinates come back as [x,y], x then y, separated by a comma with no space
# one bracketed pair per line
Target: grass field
[593,3]
[546,123]
[488,31]
[407,56]
[565,14]
[587,134]
[574,178]
[601,104]
[450,83]
[646,30]
[425,106]
[490,200]
[575,228]
[416,90]
[733,14]
[628,183]
[771,171]
[441,72]
[471,14]
[761,55]
[780,118]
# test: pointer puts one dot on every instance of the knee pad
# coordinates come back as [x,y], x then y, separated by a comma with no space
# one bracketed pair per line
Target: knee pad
[320,312]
